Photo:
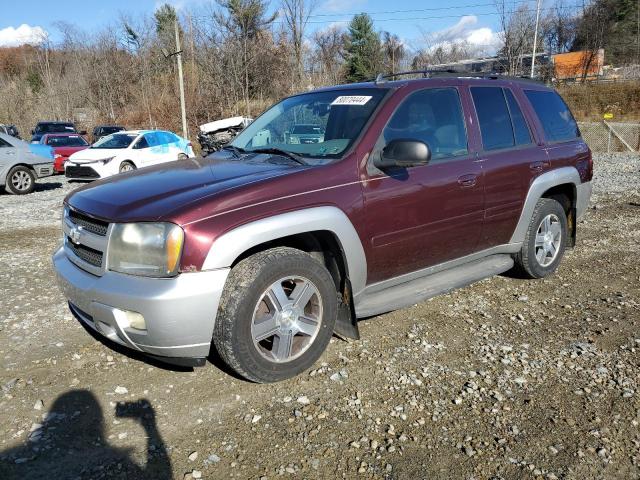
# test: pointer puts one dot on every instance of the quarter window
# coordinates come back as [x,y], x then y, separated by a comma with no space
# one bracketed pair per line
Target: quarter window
[433,116]
[494,118]
[556,119]
[4,144]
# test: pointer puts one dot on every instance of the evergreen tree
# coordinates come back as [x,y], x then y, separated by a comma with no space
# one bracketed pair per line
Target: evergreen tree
[364,53]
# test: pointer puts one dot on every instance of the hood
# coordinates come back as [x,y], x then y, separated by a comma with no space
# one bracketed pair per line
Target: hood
[67,151]
[92,154]
[153,193]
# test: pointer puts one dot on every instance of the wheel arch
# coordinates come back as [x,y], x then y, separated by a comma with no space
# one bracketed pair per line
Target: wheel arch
[557,183]
[325,232]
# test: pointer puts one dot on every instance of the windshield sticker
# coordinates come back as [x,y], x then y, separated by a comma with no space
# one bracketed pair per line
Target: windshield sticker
[351,100]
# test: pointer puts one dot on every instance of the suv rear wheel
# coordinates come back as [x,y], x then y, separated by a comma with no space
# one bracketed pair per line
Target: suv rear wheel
[20,180]
[545,240]
[276,315]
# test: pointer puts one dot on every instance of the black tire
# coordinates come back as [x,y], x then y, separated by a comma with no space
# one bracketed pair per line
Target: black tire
[526,261]
[20,180]
[243,291]
[126,166]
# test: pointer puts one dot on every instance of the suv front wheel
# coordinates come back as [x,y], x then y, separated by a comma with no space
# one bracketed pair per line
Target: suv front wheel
[276,315]
[545,240]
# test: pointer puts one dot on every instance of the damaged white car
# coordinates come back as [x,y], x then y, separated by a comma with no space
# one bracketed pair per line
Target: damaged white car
[214,135]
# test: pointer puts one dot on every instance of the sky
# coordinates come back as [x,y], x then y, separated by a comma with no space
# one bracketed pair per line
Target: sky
[26,21]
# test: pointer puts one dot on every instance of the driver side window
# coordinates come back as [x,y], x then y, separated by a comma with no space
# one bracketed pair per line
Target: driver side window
[433,116]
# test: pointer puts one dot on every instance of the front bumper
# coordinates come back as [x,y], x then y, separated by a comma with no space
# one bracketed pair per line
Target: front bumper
[583,196]
[179,312]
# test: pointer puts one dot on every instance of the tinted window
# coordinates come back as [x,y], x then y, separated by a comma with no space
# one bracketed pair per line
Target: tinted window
[493,116]
[520,128]
[302,129]
[143,142]
[433,116]
[555,117]
[55,127]
[117,140]
[67,141]
[110,130]
[4,144]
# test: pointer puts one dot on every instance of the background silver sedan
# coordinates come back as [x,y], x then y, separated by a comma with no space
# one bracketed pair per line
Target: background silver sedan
[21,163]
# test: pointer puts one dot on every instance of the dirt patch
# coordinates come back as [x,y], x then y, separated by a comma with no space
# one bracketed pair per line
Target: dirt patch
[503,379]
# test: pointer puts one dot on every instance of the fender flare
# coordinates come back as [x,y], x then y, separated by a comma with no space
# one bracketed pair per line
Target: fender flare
[229,246]
[540,185]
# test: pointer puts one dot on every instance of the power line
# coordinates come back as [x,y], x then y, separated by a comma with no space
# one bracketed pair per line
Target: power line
[455,7]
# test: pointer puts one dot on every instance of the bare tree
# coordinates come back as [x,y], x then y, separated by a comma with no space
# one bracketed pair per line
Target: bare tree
[296,16]
[517,23]
[394,51]
[329,53]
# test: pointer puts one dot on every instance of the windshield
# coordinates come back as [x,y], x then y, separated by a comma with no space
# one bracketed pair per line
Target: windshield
[67,141]
[320,124]
[55,128]
[117,140]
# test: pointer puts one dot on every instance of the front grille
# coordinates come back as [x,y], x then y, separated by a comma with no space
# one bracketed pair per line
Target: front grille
[93,225]
[89,255]
[80,172]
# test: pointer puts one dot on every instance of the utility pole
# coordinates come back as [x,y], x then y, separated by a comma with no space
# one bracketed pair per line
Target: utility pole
[535,39]
[183,109]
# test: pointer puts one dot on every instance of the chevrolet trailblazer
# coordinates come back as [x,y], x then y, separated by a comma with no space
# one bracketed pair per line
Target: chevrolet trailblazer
[264,251]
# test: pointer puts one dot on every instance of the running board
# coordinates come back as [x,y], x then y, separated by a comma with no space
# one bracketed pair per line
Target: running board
[423,288]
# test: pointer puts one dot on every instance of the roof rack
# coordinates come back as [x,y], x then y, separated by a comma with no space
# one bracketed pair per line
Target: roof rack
[431,73]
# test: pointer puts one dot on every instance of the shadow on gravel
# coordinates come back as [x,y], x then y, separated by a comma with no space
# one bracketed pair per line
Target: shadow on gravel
[70,443]
[133,354]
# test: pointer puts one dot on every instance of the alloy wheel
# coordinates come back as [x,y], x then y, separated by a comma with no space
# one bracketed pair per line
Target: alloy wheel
[287,319]
[21,181]
[548,239]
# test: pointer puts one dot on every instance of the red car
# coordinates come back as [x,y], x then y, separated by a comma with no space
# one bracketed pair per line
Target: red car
[63,144]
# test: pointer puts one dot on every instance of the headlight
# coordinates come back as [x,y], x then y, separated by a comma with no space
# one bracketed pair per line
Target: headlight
[146,249]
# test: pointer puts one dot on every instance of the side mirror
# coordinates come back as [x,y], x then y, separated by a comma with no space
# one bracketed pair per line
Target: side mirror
[403,153]
[83,132]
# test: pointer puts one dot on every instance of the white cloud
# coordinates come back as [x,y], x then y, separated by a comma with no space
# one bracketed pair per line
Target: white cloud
[24,34]
[484,38]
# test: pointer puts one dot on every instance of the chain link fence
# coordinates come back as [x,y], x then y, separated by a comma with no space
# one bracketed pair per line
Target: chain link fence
[611,136]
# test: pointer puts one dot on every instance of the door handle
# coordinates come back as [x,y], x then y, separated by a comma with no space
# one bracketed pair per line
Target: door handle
[467,180]
[539,166]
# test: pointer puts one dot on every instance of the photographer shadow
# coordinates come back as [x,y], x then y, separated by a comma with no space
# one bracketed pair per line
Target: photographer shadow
[71,443]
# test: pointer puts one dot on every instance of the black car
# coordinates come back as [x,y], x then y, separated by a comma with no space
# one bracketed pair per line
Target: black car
[43,128]
[104,130]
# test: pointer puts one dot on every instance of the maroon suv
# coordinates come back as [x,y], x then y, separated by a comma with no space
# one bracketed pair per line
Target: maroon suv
[265,249]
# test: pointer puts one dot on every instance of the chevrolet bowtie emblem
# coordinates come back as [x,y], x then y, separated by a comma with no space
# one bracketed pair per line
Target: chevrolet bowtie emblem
[74,234]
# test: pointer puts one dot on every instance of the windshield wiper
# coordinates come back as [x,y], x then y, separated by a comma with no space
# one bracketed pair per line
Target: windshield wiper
[237,151]
[278,151]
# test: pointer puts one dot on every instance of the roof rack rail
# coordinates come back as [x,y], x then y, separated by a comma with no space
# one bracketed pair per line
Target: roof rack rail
[431,73]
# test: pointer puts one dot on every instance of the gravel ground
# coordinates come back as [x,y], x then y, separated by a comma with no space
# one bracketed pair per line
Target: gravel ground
[506,378]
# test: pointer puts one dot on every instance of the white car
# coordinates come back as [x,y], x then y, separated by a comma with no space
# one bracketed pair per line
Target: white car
[126,151]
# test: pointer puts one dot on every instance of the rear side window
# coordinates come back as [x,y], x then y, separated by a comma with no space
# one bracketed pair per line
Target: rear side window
[4,144]
[433,116]
[556,119]
[494,118]
[520,128]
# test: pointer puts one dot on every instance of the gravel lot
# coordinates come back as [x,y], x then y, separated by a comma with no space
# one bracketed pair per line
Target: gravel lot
[506,378]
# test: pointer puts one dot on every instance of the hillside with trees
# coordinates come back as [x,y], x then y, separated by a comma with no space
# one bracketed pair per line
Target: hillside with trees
[239,58]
